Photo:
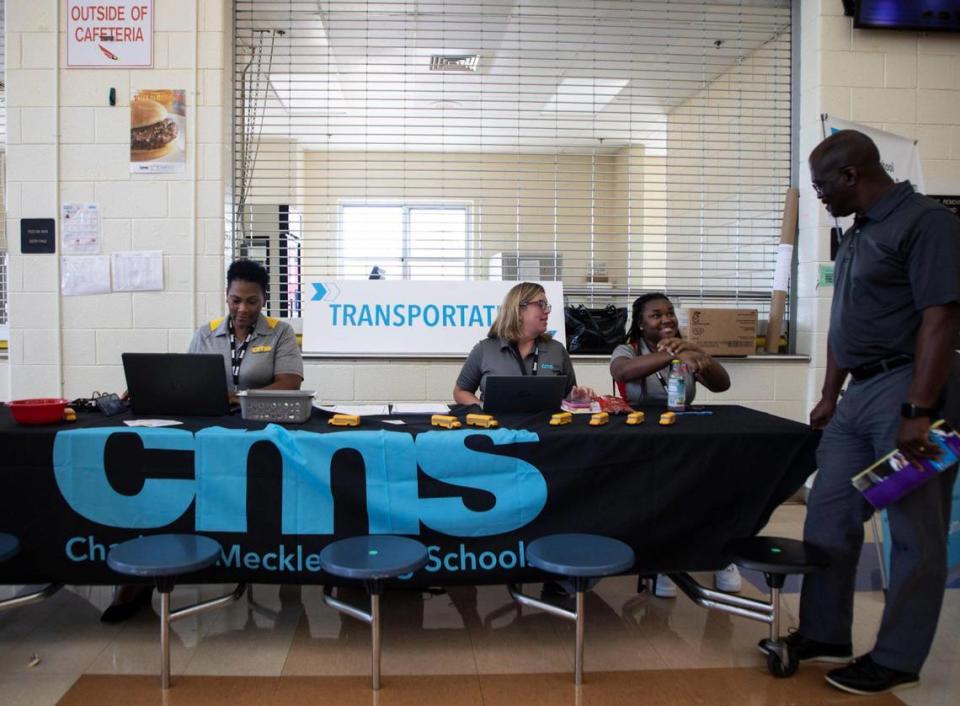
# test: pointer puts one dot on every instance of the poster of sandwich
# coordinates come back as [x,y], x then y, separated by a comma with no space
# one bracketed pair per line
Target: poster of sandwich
[158,120]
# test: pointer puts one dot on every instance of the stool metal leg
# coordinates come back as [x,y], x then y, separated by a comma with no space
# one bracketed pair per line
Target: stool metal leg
[775,621]
[579,655]
[165,640]
[375,633]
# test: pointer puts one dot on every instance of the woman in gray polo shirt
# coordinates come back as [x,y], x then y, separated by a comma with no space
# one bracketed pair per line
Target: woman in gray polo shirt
[259,352]
[517,344]
[643,364]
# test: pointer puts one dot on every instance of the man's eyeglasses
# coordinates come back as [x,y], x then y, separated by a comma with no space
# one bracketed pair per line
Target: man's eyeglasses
[821,185]
[543,304]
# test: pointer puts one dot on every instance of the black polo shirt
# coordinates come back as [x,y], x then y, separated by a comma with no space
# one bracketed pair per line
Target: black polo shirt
[897,259]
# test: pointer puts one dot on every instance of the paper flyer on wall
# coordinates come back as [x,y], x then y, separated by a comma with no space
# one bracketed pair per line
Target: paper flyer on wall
[81,229]
[138,271]
[84,274]
[158,121]
[893,476]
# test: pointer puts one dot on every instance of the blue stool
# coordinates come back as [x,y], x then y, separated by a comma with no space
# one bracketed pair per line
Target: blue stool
[776,557]
[371,559]
[581,558]
[9,548]
[164,557]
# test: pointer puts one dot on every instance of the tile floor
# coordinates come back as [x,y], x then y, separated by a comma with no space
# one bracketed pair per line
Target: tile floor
[467,646]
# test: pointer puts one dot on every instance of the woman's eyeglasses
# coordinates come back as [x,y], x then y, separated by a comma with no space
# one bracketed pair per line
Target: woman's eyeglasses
[543,304]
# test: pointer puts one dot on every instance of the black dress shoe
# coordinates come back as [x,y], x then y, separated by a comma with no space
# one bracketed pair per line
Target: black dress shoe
[864,676]
[806,650]
[124,608]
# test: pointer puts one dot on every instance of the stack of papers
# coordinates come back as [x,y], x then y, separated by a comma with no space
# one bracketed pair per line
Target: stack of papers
[151,422]
[420,408]
[361,410]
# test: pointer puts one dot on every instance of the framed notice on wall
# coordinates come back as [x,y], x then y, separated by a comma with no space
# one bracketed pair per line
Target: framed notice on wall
[110,34]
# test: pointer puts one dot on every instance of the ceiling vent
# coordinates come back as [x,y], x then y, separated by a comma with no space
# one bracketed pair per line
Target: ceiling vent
[454,62]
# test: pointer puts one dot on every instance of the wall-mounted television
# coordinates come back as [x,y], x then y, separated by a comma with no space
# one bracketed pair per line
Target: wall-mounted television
[913,15]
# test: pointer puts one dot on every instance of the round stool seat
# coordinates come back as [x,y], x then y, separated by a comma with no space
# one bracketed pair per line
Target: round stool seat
[372,557]
[777,555]
[164,555]
[9,546]
[580,555]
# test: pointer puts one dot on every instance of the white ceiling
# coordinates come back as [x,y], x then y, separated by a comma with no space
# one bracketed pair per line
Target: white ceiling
[553,74]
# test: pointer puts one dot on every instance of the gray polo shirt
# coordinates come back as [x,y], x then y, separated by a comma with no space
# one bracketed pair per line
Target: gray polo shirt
[493,356]
[900,257]
[650,390]
[272,350]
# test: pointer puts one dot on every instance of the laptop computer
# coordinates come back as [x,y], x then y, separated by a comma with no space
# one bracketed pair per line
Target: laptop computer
[523,393]
[178,384]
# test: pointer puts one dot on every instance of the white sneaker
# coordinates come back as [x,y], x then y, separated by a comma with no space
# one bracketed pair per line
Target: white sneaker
[728,580]
[664,587]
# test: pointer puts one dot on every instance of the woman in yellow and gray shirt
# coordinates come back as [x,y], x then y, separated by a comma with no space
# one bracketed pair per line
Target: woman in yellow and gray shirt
[259,352]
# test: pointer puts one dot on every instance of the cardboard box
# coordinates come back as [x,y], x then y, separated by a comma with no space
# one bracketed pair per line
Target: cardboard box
[723,331]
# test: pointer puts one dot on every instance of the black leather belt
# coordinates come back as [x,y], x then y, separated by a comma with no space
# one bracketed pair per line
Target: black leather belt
[868,370]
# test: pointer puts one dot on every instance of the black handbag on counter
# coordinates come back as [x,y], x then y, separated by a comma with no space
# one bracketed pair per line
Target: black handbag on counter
[594,330]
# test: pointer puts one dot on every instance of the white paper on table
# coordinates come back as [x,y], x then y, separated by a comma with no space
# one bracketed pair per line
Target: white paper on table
[420,408]
[151,422]
[81,228]
[138,271]
[84,274]
[361,410]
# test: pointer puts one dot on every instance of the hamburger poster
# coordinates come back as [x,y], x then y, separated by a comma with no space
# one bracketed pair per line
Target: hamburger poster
[157,131]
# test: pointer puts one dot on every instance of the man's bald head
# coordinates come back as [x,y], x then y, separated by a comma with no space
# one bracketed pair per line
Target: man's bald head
[847,174]
[846,147]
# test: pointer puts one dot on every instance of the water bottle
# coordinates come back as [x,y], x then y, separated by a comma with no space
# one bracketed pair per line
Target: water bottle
[677,387]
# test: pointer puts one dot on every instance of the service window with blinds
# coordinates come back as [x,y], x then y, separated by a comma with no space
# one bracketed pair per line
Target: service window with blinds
[619,146]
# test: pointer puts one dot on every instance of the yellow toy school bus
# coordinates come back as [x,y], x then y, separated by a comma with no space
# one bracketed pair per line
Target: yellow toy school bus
[445,420]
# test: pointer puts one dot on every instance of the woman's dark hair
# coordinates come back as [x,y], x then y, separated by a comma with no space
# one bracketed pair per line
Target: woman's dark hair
[639,303]
[248,271]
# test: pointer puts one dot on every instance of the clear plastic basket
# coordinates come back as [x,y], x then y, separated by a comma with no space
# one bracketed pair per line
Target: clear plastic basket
[285,406]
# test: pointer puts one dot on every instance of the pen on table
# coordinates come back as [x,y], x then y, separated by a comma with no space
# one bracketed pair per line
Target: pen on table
[698,412]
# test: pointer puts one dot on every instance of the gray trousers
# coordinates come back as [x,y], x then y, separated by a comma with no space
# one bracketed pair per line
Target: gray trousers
[863,429]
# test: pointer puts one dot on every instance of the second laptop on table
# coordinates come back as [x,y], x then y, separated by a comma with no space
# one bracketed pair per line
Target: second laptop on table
[523,393]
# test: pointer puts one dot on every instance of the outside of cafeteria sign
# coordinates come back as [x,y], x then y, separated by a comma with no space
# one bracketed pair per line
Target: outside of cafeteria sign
[404,317]
[112,34]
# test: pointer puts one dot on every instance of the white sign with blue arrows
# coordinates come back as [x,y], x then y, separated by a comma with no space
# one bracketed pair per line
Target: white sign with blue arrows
[407,318]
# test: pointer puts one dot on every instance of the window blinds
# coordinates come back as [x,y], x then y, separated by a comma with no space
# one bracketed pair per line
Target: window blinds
[621,146]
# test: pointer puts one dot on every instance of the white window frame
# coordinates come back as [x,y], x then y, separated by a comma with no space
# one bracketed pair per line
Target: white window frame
[407,259]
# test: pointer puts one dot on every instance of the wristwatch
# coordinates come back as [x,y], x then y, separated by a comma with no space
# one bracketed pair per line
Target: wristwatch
[912,411]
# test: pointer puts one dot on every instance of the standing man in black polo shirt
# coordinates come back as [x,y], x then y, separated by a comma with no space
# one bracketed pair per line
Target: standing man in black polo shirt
[893,328]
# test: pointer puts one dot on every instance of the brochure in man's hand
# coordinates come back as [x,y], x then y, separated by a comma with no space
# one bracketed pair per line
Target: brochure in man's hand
[893,476]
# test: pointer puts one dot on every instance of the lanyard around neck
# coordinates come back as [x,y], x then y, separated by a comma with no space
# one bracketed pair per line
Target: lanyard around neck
[536,358]
[659,373]
[236,354]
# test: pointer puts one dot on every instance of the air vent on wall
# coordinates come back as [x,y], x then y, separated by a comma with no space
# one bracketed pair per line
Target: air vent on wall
[457,62]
